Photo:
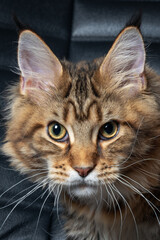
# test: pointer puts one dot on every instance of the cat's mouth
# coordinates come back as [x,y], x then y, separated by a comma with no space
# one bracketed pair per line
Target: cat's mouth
[82,185]
[82,189]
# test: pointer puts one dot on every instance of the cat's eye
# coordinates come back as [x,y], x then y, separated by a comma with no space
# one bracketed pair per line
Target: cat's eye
[57,132]
[108,130]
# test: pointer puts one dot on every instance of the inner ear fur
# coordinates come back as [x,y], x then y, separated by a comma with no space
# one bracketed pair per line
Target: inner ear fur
[124,64]
[40,68]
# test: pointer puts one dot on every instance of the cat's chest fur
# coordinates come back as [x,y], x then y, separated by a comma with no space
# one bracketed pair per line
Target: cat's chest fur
[101,224]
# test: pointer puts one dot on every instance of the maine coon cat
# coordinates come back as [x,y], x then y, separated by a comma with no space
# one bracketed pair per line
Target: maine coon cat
[91,132]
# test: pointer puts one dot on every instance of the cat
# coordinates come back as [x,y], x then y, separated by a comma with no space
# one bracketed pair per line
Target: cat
[90,131]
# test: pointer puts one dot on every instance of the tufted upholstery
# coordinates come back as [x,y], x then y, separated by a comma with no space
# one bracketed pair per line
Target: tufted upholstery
[76,30]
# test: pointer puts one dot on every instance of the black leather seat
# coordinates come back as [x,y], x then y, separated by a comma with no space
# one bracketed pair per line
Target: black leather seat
[75,30]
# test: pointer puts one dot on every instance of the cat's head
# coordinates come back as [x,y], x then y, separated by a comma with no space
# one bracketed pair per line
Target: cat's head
[88,126]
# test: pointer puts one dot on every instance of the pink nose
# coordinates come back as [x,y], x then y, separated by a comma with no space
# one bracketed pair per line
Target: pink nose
[83,171]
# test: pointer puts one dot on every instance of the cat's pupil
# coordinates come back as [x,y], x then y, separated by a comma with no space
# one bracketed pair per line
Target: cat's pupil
[108,128]
[56,129]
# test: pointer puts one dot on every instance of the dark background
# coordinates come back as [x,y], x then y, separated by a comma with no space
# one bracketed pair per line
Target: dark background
[75,30]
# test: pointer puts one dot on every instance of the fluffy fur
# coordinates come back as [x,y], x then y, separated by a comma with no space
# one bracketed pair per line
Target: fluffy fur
[119,196]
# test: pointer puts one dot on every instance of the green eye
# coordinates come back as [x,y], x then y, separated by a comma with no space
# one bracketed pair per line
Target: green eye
[108,130]
[57,132]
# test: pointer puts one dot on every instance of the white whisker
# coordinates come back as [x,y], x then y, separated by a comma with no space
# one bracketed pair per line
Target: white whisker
[19,201]
[127,204]
[153,207]
[34,235]
[120,212]
[30,192]
[139,162]
[21,181]
[141,186]
[149,174]
[112,202]
[24,190]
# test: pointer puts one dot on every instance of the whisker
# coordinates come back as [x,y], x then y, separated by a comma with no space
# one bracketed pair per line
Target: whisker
[24,190]
[41,195]
[149,174]
[139,162]
[141,186]
[132,148]
[34,236]
[19,201]
[129,207]
[155,137]
[21,181]
[56,193]
[153,207]
[133,145]
[103,182]
[32,191]
[51,187]
[120,212]
[60,190]
[101,196]
[113,203]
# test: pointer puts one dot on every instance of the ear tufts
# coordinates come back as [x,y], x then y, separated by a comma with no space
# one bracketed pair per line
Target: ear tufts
[20,26]
[135,20]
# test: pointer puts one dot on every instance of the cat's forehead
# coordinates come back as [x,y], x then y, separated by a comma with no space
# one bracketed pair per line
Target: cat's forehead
[82,99]
[85,99]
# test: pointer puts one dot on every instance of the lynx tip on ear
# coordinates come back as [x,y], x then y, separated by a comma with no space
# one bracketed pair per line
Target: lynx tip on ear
[20,26]
[135,20]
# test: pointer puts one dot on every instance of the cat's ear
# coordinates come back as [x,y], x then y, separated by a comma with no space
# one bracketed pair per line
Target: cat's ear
[124,63]
[40,68]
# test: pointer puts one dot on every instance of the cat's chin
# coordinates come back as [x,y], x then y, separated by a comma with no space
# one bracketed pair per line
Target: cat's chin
[83,191]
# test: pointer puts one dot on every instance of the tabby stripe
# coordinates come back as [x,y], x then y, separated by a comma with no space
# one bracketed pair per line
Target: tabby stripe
[65,112]
[56,114]
[32,131]
[26,159]
[42,153]
[98,110]
[81,90]
[94,90]
[68,91]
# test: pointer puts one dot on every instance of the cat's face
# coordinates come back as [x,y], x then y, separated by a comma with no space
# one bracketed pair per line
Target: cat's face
[81,126]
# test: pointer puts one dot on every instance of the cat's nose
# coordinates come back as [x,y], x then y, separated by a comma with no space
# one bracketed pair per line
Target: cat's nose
[83,171]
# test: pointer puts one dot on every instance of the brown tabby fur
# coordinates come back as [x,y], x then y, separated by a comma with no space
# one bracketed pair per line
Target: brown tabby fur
[127,203]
